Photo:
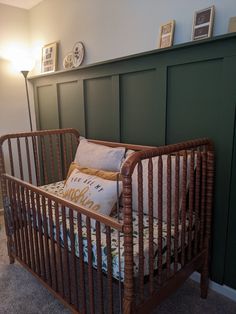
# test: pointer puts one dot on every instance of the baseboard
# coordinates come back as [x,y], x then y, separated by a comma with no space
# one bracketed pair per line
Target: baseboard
[221,289]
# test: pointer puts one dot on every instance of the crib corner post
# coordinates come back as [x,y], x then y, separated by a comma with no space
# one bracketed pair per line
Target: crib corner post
[128,301]
[209,202]
[9,229]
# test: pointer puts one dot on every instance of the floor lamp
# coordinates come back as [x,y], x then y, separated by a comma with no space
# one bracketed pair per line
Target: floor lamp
[25,74]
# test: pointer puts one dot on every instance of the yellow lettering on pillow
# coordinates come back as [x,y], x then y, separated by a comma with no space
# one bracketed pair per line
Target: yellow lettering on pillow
[80,197]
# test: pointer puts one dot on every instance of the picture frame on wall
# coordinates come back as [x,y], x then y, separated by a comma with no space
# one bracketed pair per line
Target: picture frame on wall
[203,23]
[49,57]
[166,34]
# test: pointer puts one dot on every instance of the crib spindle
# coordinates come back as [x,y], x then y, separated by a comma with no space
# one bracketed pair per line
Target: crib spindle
[150,223]
[58,156]
[40,230]
[20,159]
[140,230]
[90,267]
[66,270]
[73,268]
[81,265]
[64,155]
[99,268]
[46,243]
[183,214]
[52,241]
[28,159]
[160,210]
[109,270]
[176,213]
[36,160]
[19,211]
[29,218]
[51,159]
[11,157]
[60,280]
[25,227]
[191,203]
[203,198]
[168,254]
[45,172]
[35,233]
[197,202]
[14,218]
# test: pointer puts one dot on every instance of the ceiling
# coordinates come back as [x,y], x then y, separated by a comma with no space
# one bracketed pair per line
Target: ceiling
[24,4]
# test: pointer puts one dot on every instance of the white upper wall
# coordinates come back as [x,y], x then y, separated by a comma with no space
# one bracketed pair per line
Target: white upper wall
[14,34]
[112,28]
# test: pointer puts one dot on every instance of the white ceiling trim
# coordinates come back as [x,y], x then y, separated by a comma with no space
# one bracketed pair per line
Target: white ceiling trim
[23,4]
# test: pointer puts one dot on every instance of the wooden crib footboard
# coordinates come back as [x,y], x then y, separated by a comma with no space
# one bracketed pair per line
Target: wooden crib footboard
[54,239]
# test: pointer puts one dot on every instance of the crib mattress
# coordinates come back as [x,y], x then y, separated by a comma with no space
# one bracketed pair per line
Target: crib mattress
[117,272]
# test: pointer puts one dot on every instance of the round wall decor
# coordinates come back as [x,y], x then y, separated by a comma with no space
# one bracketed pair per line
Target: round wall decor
[78,53]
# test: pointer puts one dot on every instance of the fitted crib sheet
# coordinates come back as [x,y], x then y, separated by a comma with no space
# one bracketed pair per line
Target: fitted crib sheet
[117,259]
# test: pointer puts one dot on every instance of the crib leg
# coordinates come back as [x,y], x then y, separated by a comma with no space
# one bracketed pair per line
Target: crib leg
[204,283]
[11,257]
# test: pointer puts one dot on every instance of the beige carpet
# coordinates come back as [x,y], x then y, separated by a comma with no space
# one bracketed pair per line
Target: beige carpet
[21,293]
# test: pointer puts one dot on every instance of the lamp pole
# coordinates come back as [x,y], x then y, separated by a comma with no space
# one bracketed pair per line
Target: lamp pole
[25,74]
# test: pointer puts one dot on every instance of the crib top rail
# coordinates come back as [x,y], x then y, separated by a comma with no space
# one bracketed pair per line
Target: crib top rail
[202,144]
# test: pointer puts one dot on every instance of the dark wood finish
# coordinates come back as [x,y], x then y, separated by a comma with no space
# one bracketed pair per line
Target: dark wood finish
[36,214]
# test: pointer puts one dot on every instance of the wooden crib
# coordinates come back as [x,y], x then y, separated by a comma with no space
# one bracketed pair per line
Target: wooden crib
[129,261]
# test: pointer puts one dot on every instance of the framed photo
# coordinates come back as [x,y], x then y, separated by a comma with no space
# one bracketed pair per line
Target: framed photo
[49,58]
[203,23]
[232,25]
[166,34]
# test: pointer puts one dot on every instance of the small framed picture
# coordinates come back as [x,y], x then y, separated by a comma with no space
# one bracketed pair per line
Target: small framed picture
[166,34]
[203,23]
[49,58]
[232,25]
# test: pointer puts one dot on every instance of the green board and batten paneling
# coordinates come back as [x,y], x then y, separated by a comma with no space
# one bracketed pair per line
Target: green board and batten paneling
[159,97]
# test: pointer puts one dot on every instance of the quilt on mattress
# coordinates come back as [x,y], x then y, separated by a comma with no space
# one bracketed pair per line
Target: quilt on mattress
[117,272]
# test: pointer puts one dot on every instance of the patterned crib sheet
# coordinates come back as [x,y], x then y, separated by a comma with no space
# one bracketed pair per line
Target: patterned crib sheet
[117,259]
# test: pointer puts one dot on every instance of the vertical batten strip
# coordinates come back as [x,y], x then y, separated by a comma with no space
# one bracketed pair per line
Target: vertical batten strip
[140,230]
[176,215]
[183,216]
[150,223]
[168,257]
[99,268]
[109,270]
[90,267]
[160,210]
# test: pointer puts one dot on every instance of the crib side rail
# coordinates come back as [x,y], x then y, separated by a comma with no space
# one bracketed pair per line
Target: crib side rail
[39,157]
[54,238]
[169,190]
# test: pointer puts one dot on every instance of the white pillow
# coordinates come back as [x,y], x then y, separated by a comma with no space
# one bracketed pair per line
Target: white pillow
[155,185]
[99,156]
[92,192]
